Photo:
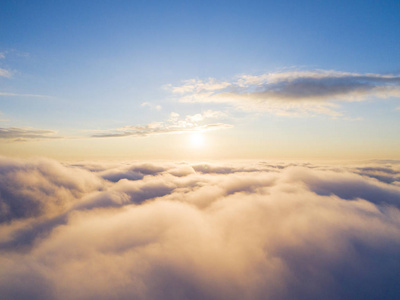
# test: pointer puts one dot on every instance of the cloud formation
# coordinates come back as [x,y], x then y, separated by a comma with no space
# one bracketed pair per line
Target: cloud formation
[289,93]
[41,187]
[174,125]
[201,231]
[25,134]
[151,105]
[23,95]
[4,72]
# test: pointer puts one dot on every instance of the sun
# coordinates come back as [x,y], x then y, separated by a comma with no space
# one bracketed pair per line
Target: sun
[197,139]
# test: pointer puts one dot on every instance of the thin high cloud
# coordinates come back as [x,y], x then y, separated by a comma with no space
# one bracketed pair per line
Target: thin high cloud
[23,95]
[9,74]
[151,105]
[26,134]
[198,231]
[4,72]
[175,124]
[291,93]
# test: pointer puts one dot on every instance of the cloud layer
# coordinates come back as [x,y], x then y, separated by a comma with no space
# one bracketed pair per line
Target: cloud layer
[288,93]
[199,231]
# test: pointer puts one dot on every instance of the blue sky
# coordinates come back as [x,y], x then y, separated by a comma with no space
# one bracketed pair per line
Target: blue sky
[97,68]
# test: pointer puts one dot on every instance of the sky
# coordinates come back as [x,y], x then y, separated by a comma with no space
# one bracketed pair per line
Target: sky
[200,80]
[199,150]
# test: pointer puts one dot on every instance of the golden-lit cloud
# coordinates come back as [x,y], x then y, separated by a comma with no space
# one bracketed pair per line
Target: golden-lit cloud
[175,124]
[198,231]
[291,93]
[26,134]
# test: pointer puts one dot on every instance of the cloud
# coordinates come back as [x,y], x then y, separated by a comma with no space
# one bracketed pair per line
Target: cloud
[252,230]
[174,125]
[193,85]
[35,188]
[22,95]
[135,172]
[25,134]
[386,174]
[151,105]
[5,73]
[291,93]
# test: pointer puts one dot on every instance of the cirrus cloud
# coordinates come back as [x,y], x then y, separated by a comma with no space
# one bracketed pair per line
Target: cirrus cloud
[175,124]
[4,72]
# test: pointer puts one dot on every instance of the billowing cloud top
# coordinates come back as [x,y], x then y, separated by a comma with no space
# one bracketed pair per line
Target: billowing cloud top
[291,92]
[199,231]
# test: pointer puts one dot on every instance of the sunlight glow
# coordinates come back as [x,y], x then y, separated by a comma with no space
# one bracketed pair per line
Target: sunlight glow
[197,139]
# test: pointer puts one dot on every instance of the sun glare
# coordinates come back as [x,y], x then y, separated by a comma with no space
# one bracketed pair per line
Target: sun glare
[197,139]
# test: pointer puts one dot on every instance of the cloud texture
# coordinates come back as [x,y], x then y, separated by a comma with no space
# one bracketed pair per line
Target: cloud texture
[292,92]
[26,134]
[175,124]
[4,72]
[199,231]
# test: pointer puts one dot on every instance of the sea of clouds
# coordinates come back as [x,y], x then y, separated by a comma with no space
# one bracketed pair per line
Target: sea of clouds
[243,230]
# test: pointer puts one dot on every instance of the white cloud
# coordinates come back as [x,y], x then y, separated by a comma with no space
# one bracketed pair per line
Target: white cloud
[5,73]
[197,86]
[151,105]
[175,124]
[291,93]
[204,231]
[23,95]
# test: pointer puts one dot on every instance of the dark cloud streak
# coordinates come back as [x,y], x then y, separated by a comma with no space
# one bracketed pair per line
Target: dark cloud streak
[295,92]
[25,134]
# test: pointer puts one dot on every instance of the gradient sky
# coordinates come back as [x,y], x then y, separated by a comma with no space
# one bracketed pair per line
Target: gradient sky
[257,79]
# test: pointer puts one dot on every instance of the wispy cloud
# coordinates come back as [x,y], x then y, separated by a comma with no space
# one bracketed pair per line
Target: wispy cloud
[196,85]
[151,105]
[175,124]
[289,93]
[25,134]
[5,73]
[23,95]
